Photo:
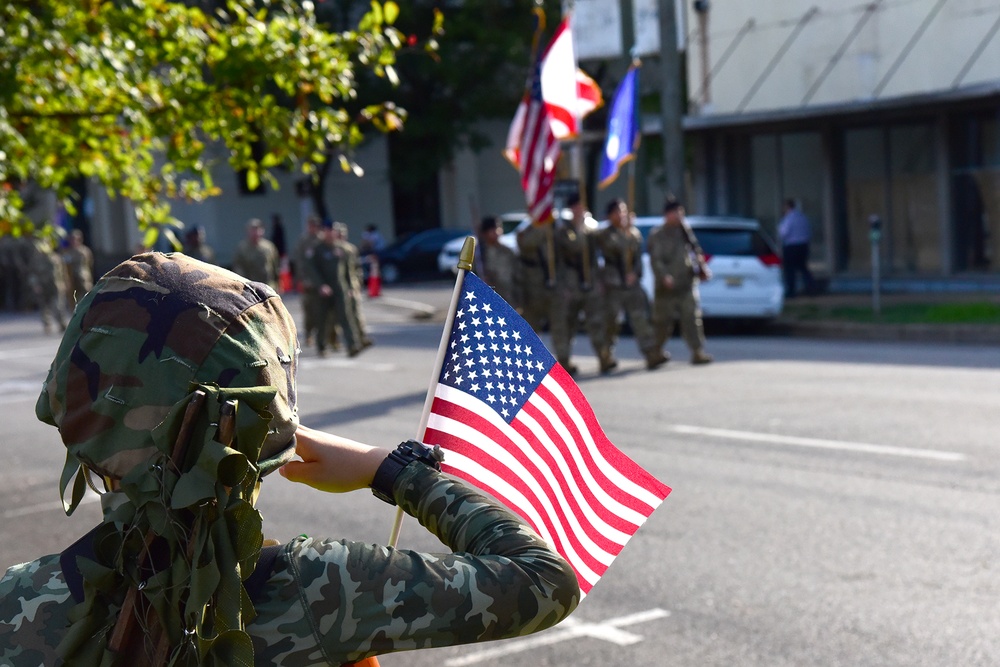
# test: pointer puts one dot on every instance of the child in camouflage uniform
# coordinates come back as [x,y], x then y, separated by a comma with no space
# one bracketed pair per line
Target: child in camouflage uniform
[139,390]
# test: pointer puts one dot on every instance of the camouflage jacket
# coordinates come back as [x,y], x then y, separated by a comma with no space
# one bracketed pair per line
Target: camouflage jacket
[259,262]
[671,254]
[622,251]
[333,601]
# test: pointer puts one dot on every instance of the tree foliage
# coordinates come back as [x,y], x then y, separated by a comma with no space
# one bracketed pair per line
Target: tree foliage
[133,92]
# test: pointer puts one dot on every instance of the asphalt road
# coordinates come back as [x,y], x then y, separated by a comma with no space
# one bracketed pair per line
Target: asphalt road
[834,503]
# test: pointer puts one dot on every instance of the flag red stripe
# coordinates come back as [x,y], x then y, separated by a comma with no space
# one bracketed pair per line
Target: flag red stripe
[567,546]
[612,456]
[528,480]
[613,520]
[585,585]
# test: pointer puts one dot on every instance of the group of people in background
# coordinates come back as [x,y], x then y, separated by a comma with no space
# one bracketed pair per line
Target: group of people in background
[576,274]
[39,274]
[330,275]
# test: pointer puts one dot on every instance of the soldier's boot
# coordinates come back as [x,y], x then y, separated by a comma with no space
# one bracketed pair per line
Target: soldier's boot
[569,366]
[656,358]
[607,361]
[701,357]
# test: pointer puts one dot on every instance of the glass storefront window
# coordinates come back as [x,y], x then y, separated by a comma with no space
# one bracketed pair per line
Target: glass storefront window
[913,234]
[975,182]
[864,180]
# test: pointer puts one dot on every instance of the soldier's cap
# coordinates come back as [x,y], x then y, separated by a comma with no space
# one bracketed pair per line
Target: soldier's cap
[489,223]
[671,204]
[151,329]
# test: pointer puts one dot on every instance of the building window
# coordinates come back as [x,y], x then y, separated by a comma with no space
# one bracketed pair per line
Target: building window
[865,188]
[975,182]
[914,231]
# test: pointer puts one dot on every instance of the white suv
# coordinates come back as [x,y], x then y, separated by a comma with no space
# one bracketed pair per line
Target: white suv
[746,270]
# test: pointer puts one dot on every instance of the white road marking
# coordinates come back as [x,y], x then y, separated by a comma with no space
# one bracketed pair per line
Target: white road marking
[569,629]
[863,447]
[46,507]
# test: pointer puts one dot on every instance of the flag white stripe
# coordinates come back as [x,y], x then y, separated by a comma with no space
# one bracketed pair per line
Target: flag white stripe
[473,404]
[522,505]
[615,476]
[602,497]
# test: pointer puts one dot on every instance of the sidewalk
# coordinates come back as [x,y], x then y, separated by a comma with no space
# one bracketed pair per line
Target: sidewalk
[813,317]
[807,316]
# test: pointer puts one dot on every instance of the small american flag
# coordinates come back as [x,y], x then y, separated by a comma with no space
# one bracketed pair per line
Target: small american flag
[513,423]
[534,150]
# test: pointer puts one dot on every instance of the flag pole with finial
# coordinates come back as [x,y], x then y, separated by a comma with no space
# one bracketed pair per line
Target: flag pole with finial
[465,260]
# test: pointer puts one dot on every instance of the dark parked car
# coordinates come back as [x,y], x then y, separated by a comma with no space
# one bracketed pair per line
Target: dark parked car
[415,255]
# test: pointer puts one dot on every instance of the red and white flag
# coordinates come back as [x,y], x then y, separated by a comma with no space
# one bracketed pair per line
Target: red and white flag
[568,92]
[534,150]
[513,423]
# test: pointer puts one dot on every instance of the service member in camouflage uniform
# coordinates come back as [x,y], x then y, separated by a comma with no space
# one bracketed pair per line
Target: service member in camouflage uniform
[536,250]
[678,265]
[47,280]
[578,290]
[621,245]
[355,280]
[153,335]
[256,258]
[328,271]
[196,246]
[79,262]
[497,264]
[304,250]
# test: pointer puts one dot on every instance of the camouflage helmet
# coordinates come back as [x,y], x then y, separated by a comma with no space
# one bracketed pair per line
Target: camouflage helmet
[149,330]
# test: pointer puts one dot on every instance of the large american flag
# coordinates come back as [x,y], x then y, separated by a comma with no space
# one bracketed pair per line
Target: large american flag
[534,150]
[513,423]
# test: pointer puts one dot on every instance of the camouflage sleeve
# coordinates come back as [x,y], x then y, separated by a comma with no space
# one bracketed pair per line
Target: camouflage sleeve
[34,601]
[331,602]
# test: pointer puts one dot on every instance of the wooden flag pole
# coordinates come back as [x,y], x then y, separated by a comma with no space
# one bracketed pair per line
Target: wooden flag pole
[465,260]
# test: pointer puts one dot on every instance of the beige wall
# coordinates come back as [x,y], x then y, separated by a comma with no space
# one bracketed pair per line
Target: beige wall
[935,62]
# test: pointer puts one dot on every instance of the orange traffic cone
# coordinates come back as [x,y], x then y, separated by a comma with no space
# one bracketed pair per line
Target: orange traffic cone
[374,278]
[285,277]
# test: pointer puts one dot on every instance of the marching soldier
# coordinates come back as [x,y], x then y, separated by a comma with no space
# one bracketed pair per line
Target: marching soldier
[678,265]
[621,245]
[304,251]
[355,279]
[47,280]
[328,271]
[496,263]
[79,266]
[196,247]
[577,290]
[256,258]
[536,248]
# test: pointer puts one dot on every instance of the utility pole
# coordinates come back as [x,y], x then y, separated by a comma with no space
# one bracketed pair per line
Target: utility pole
[671,103]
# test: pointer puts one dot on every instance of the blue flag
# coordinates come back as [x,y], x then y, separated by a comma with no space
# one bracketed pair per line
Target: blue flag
[622,142]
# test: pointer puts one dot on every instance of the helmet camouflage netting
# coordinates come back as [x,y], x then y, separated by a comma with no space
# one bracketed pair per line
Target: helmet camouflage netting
[138,342]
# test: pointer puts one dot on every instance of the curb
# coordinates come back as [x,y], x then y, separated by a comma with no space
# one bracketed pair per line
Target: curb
[918,333]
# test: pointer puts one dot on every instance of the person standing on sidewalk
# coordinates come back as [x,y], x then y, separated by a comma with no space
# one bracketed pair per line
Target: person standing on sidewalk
[678,265]
[621,245]
[794,232]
